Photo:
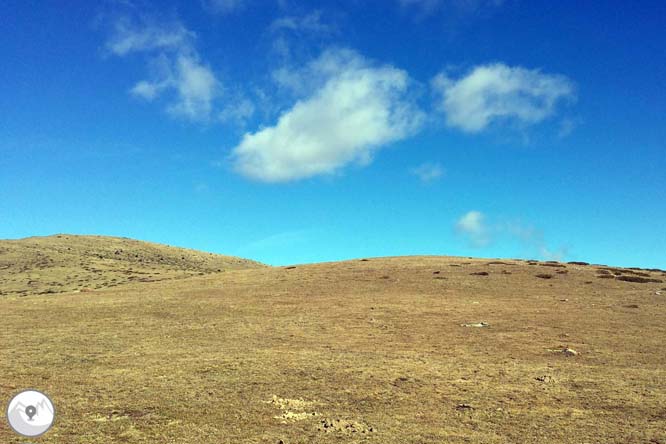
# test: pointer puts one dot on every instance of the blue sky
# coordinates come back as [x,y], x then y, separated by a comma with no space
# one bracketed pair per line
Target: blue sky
[293,132]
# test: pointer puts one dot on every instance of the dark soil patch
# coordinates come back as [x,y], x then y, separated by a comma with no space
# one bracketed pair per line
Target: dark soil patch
[544,276]
[638,279]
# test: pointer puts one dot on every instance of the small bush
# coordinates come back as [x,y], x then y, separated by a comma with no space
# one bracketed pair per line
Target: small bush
[544,276]
[479,273]
[640,280]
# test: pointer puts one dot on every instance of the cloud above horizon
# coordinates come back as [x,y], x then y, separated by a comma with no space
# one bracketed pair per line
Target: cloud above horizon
[479,233]
[472,225]
[175,66]
[358,109]
[428,172]
[497,92]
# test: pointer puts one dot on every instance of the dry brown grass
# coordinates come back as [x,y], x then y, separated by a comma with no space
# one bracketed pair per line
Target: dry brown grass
[349,352]
[65,262]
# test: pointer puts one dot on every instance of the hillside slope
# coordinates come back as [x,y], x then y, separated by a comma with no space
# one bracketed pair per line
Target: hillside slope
[65,262]
[385,350]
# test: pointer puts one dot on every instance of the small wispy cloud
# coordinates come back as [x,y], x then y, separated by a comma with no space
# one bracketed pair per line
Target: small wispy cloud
[534,240]
[310,23]
[497,92]
[238,112]
[223,7]
[129,36]
[428,172]
[358,109]
[175,65]
[293,34]
[473,226]
[425,8]
[567,126]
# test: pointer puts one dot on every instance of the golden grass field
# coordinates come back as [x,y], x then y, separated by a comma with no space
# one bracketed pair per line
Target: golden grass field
[362,351]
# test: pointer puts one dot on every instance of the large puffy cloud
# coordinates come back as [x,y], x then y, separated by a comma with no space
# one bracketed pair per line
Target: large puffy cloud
[354,109]
[500,92]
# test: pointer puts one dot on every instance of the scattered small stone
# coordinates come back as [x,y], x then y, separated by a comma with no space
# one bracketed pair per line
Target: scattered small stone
[477,325]
[569,352]
[342,426]
[658,293]
[545,378]
[564,300]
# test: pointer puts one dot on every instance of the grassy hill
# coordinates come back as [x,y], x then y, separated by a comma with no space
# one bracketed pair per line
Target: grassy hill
[65,262]
[383,350]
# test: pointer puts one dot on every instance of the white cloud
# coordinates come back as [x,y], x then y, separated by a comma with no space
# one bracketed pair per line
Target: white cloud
[425,8]
[480,233]
[297,35]
[176,66]
[148,90]
[498,92]
[309,23]
[534,240]
[129,36]
[223,6]
[238,112]
[473,226]
[428,172]
[358,109]
[196,86]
